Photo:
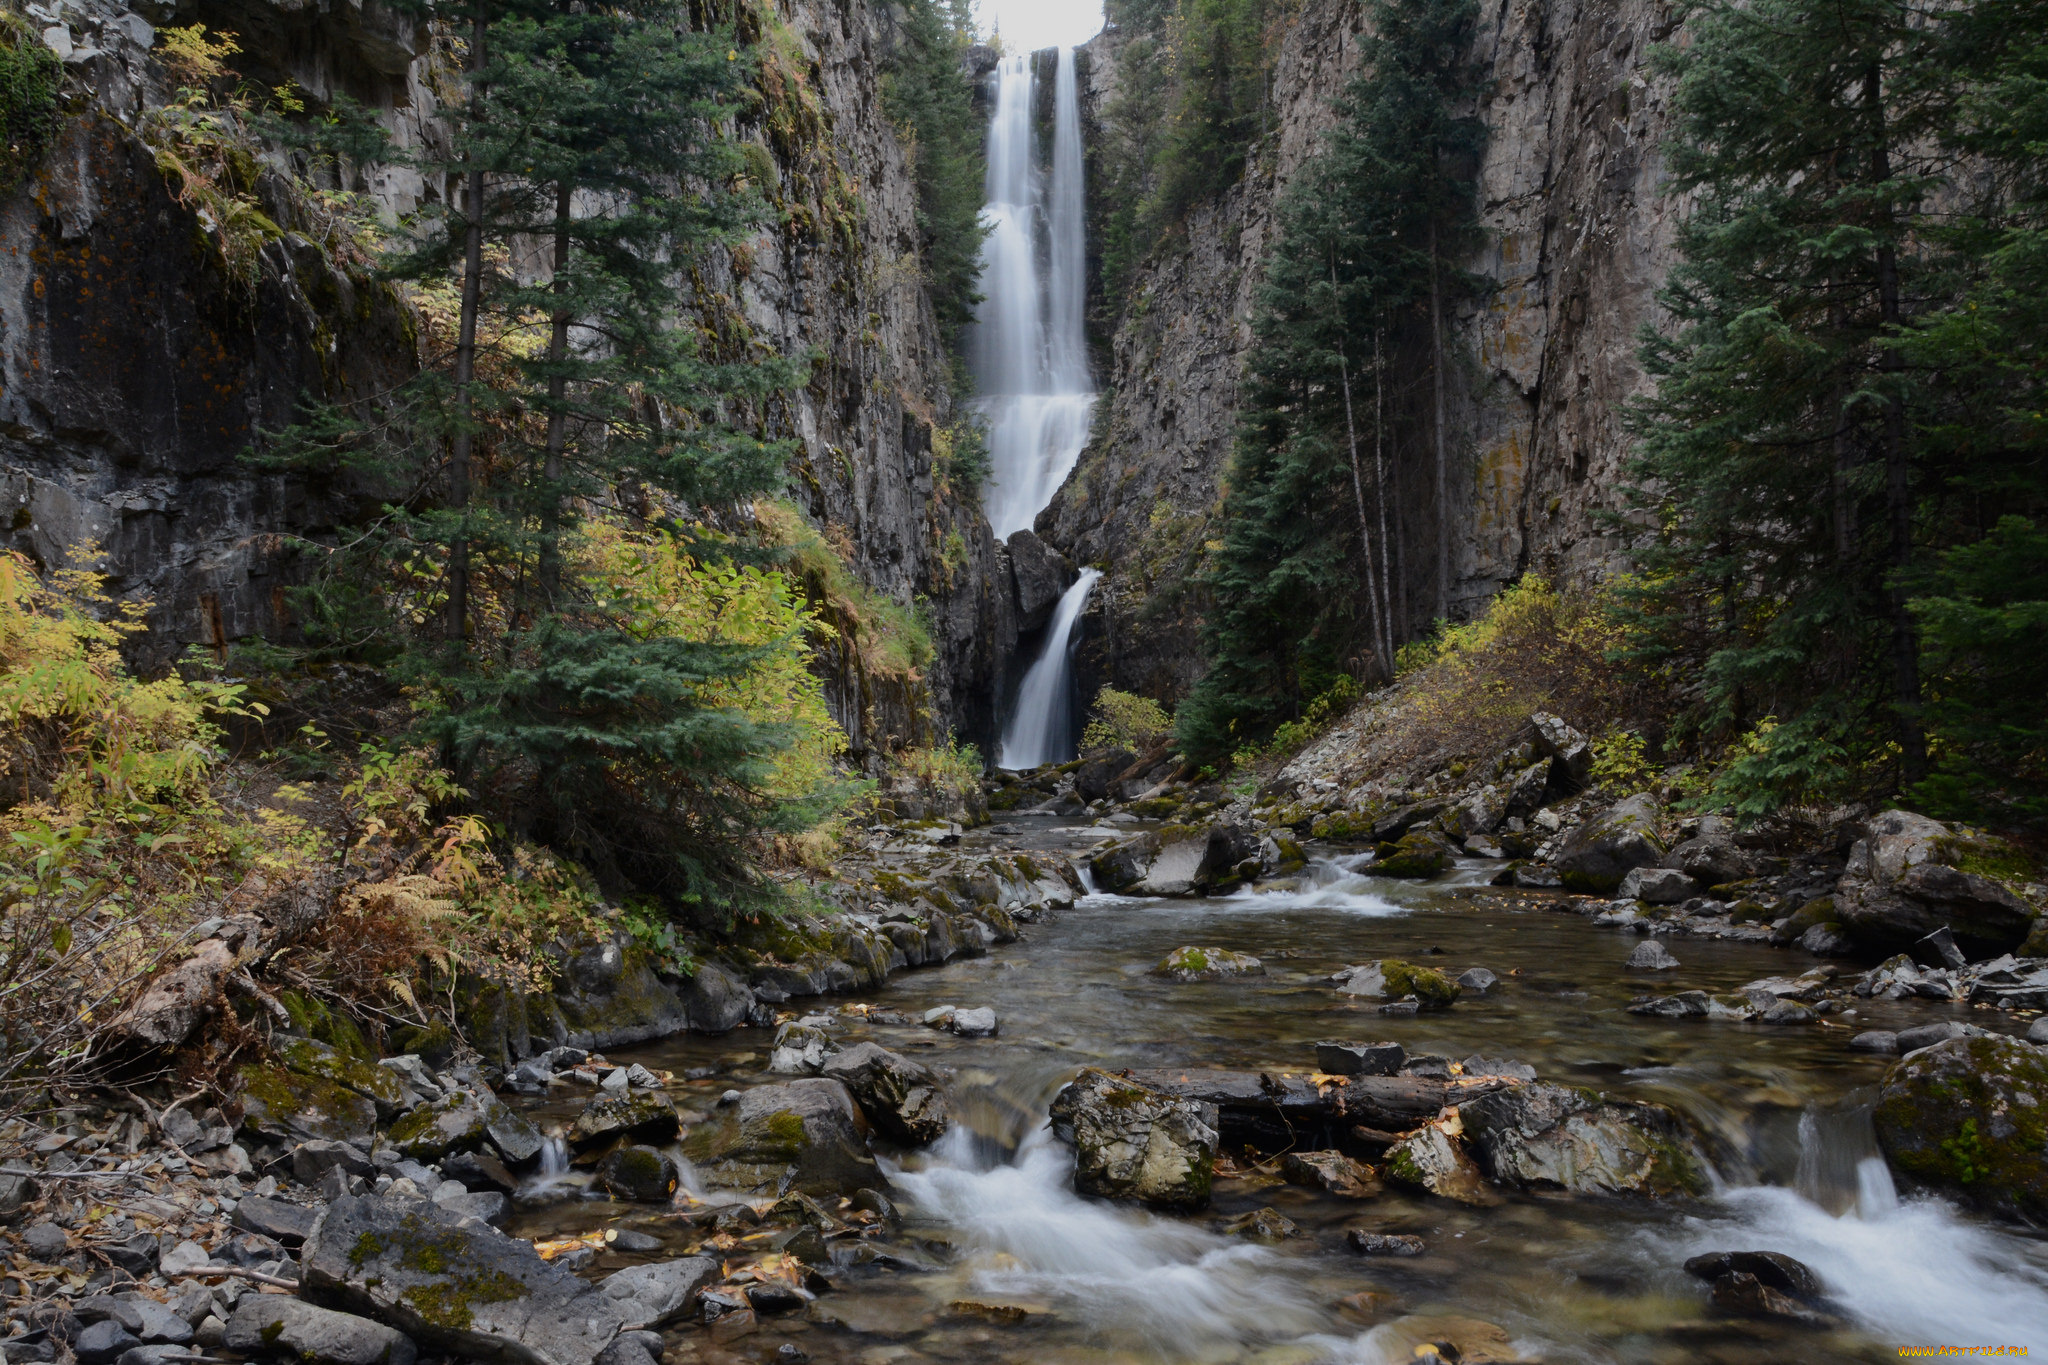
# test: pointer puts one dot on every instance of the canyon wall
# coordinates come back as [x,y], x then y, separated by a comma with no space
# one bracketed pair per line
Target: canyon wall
[1576,239]
[135,370]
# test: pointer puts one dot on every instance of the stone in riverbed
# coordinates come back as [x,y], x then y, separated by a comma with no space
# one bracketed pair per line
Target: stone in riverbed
[1384,1243]
[1359,1059]
[641,1174]
[1542,1136]
[902,1098]
[1656,885]
[453,1285]
[804,1135]
[1477,980]
[1433,1160]
[1775,1269]
[1332,1172]
[1748,1296]
[1604,849]
[464,1121]
[1652,956]
[975,1023]
[1262,1225]
[1875,1040]
[1391,978]
[657,1295]
[275,1324]
[1684,1005]
[1969,1117]
[1132,1142]
[286,1224]
[1207,964]
[640,1118]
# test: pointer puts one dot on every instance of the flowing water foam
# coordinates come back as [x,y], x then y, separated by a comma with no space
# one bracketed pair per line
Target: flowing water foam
[1180,1290]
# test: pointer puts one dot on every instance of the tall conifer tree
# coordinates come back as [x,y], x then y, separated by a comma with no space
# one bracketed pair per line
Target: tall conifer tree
[1308,585]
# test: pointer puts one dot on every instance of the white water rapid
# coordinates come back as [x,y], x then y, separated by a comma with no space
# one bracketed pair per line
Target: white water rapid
[1029,348]
[1177,1290]
[1041,728]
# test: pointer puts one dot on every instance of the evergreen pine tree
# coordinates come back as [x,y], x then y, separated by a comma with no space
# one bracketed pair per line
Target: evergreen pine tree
[1779,452]
[1307,587]
[579,384]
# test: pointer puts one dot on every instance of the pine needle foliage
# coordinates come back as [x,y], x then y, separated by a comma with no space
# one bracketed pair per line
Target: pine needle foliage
[1304,588]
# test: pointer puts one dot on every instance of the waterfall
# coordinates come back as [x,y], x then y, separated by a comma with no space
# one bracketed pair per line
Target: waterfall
[1041,729]
[1029,346]
[1029,352]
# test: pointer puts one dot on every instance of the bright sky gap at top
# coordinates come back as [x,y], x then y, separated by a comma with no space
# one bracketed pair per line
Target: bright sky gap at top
[1028,25]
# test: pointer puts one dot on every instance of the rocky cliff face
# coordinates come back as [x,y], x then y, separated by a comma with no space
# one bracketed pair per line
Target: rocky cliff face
[136,371]
[1577,239]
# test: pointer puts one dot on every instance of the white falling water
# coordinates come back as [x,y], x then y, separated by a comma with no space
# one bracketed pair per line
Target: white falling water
[1029,348]
[1029,351]
[1041,728]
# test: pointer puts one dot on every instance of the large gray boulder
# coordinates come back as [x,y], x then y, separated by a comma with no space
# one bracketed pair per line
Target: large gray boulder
[1969,1117]
[902,1098]
[1039,576]
[1555,1137]
[1712,859]
[643,1117]
[1897,891]
[276,1324]
[717,999]
[1093,779]
[1600,852]
[453,1284]
[805,1135]
[1199,862]
[466,1121]
[653,1296]
[1133,1142]
[1570,753]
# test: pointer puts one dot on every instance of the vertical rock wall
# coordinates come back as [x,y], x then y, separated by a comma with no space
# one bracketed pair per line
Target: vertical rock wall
[1576,241]
[134,373]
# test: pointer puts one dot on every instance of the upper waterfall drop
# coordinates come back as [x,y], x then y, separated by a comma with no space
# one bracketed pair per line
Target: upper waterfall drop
[1029,346]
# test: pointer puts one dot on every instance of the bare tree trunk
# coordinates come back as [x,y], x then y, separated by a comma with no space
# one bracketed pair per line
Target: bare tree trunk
[1436,369]
[465,357]
[1383,666]
[1898,492]
[1379,492]
[558,387]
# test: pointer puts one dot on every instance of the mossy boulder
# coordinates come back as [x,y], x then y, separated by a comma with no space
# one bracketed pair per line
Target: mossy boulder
[379,1085]
[1133,1142]
[435,1044]
[1556,1137]
[1818,911]
[319,1021]
[1343,826]
[455,1285]
[639,1118]
[293,1107]
[1391,978]
[1969,1117]
[1602,850]
[1417,855]
[806,1135]
[1207,964]
[462,1121]
[641,1174]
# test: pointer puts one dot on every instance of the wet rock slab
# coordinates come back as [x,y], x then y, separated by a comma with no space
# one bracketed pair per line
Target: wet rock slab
[453,1284]
[1133,1141]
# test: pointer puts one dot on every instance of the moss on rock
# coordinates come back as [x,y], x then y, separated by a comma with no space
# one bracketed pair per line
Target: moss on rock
[1969,1117]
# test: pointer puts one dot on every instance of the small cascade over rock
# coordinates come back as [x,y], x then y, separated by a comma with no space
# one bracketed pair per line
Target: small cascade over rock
[1041,728]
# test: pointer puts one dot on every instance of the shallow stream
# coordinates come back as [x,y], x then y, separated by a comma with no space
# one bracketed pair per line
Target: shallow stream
[991,1220]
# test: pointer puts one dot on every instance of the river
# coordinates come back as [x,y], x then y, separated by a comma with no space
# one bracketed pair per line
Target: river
[991,1215]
